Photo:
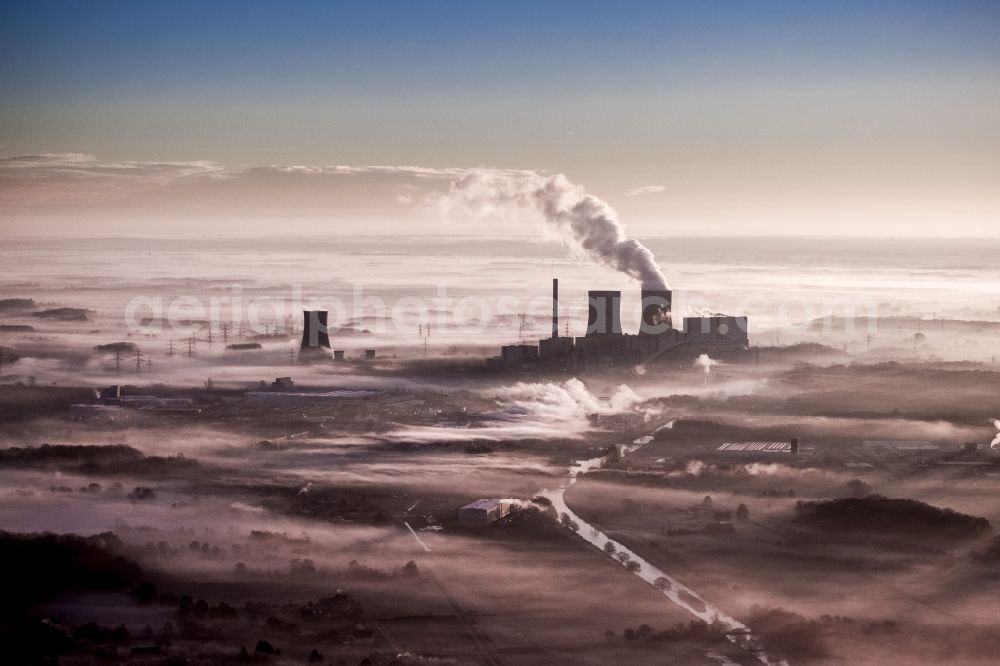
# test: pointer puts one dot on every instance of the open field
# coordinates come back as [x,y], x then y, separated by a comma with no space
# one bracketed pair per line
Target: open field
[264,513]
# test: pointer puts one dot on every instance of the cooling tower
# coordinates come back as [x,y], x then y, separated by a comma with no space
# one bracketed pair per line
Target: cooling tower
[605,312]
[314,331]
[656,311]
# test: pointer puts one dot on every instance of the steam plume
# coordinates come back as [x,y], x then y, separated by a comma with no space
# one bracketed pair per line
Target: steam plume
[705,362]
[565,403]
[581,220]
[996,440]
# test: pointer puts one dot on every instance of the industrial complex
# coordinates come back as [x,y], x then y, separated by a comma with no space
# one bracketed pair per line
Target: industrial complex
[605,345]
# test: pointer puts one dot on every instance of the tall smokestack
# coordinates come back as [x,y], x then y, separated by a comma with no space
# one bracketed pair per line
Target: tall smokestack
[605,312]
[314,331]
[656,311]
[555,308]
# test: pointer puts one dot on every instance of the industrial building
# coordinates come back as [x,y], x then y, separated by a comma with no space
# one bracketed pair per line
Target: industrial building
[287,397]
[605,345]
[483,512]
[756,447]
[112,396]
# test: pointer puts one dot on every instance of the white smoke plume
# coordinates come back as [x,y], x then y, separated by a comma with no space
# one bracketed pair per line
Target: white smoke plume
[693,468]
[582,220]
[566,402]
[700,468]
[248,508]
[996,440]
[535,410]
[705,362]
[518,504]
[624,399]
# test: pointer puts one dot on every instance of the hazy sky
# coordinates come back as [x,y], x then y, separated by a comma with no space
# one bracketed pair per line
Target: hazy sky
[689,118]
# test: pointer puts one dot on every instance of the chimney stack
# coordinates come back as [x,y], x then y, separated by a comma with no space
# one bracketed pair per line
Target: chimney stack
[555,308]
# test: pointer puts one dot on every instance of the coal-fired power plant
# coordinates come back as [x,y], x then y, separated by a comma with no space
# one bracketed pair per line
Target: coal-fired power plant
[315,335]
[605,345]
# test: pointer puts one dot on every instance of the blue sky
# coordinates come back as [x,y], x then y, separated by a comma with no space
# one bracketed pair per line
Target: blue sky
[710,100]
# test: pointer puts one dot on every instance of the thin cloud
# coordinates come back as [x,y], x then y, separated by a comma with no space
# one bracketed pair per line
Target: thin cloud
[49,179]
[645,189]
[346,170]
[80,180]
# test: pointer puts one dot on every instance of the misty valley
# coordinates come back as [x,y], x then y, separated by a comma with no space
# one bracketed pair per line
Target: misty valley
[196,485]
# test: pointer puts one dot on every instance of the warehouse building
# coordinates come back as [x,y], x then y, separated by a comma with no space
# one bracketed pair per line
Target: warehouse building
[483,512]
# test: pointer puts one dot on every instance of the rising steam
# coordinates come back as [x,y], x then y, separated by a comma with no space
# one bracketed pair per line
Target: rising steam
[564,403]
[705,362]
[582,220]
[996,440]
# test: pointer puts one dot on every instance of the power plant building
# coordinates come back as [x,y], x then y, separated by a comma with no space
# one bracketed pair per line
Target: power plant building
[605,344]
